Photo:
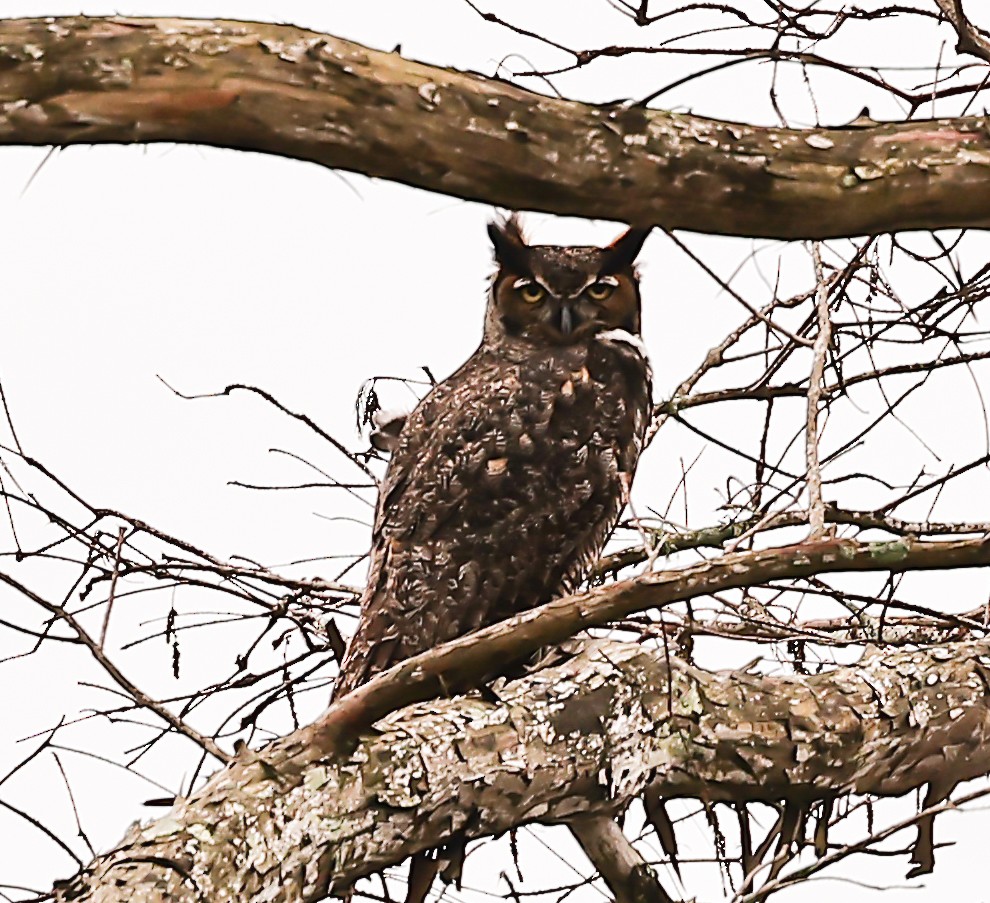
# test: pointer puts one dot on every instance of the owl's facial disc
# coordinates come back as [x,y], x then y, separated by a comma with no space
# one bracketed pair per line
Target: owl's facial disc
[549,294]
[560,313]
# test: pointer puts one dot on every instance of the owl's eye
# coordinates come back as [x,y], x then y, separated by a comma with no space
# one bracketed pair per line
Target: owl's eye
[599,291]
[531,292]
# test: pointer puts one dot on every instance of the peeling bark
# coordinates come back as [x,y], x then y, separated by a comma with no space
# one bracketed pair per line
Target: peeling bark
[295,93]
[583,736]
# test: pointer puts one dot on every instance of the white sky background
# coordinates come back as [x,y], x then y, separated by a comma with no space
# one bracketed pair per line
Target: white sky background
[209,267]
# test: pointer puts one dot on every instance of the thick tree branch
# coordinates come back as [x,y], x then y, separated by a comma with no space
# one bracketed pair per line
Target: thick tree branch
[581,738]
[465,662]
[295,93]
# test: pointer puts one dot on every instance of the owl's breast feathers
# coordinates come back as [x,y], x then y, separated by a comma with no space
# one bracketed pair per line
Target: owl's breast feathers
[507,480]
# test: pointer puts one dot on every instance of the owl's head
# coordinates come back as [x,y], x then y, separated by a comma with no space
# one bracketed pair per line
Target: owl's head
[551,294]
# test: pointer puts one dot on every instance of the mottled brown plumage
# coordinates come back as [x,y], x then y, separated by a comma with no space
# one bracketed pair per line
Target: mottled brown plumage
[508,478]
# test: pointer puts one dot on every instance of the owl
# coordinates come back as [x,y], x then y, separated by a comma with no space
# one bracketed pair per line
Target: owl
[505,482]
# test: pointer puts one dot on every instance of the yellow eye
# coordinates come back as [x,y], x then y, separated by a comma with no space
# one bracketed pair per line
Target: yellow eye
[531,292]
[599,291]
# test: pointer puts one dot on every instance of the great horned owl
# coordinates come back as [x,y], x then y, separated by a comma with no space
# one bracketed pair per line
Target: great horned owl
[507,479]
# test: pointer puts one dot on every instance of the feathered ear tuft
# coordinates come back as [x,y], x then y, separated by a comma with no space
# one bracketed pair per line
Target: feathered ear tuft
[511,250]
[621,254]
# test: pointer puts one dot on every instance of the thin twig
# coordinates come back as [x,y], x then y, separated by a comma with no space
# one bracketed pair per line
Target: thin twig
[132,690]
[121,533]
[816,506]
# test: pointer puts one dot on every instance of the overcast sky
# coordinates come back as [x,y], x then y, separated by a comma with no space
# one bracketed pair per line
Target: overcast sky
[206,267]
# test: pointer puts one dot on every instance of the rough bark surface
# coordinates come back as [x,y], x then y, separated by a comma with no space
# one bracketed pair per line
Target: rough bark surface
[585,734]
[295,93]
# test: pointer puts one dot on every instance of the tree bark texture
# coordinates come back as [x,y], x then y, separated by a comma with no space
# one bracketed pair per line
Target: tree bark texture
[286,91]
[584,734]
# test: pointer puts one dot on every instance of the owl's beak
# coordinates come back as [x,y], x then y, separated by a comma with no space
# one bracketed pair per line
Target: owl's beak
[566,320]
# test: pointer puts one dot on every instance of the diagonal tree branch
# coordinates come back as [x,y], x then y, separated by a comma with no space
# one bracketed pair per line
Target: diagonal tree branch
[283,90]
[131,689]
[465,662]
[971,40]
[626,873]
[581,738]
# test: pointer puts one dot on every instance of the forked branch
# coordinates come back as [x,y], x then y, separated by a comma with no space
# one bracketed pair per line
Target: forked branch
[971,39]
[463,663]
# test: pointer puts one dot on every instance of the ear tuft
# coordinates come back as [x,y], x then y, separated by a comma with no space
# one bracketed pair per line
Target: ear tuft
[511,250]
[621,254]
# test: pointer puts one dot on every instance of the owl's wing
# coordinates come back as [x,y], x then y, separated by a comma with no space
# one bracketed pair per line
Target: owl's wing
[445,443]
[441,454]
[506,482]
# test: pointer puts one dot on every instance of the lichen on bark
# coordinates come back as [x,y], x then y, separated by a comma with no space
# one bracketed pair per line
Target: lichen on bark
[584,735]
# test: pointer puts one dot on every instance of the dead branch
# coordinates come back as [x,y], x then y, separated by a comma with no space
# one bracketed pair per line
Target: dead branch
[96,649]
[462,663]
[971,40]
[816,505]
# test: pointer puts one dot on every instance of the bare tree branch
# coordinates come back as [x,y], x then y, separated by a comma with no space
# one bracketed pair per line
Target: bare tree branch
[816,506]
[463,662]
[283,90]
[627,874]
[971,40]
[96,649]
